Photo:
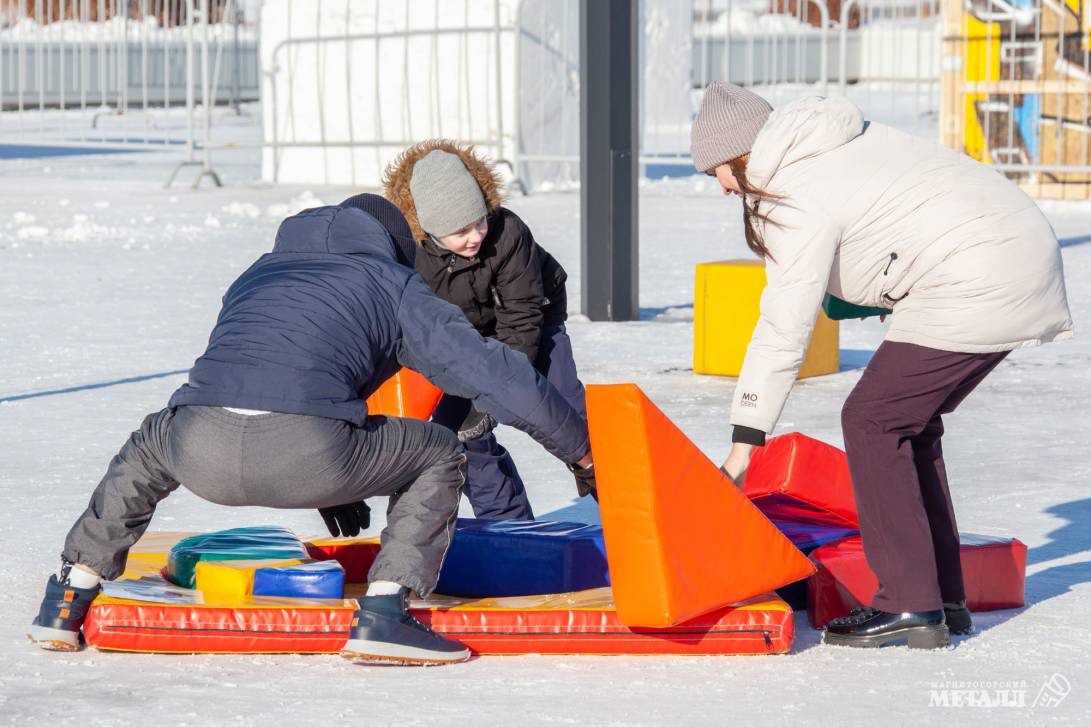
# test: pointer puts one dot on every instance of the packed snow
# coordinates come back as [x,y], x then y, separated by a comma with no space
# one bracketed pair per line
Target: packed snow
[111,284]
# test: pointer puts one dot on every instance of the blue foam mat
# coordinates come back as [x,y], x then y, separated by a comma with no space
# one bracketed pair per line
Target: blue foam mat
[324,579]
[496,558]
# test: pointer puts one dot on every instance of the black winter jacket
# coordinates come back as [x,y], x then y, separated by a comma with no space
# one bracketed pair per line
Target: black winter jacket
[317,325]
[509,291]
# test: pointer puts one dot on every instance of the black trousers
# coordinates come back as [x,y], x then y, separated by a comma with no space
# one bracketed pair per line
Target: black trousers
[893,427]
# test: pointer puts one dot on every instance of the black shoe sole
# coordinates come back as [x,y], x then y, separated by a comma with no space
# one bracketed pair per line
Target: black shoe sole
[921,637]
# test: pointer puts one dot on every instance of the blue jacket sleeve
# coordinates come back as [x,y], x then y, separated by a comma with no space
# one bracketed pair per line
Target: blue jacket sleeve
[438,342]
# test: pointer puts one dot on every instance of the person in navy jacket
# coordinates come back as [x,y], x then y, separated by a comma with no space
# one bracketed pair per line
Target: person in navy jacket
[273,414]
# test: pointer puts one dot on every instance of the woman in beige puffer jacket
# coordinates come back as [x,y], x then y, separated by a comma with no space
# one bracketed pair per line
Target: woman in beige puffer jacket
[879,218]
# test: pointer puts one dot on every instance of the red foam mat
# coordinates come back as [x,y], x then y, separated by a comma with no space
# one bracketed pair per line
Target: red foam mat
[530,625]
[993,572]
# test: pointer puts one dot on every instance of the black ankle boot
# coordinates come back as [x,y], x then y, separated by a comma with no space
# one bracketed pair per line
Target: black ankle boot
[958,618]
[383,632]
[60,618]
[869,627]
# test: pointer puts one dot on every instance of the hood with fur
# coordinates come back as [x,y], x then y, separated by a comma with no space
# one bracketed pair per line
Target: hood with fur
[802,130]
[398,174]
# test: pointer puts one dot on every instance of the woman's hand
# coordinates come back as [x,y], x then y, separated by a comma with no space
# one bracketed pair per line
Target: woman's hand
[737,462]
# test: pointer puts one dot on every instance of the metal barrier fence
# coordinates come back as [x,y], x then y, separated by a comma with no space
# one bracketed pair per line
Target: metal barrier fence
[348,85]
[123,74]
[884,54]
[1017,90]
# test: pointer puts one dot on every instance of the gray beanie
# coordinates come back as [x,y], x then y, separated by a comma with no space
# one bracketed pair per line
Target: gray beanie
[727,124]
[445,194]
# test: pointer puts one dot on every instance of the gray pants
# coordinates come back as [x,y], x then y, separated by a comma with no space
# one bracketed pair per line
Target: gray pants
[282,461]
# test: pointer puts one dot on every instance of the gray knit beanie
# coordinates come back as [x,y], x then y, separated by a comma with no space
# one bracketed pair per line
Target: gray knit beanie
[445,194]
[727,124]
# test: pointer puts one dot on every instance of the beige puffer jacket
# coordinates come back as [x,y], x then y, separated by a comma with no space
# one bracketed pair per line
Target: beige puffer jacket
[878,217]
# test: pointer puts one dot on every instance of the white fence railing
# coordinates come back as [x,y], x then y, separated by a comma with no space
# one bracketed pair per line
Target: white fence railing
[124,74]
[348,85]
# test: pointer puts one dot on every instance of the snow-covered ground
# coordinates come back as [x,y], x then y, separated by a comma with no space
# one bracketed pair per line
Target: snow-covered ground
[110,285]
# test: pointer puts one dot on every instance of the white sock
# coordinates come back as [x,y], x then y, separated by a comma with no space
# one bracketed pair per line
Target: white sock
[80,578]
[383,588]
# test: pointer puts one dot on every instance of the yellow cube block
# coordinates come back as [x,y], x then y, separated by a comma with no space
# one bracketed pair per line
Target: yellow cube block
[232,580]
[726,309]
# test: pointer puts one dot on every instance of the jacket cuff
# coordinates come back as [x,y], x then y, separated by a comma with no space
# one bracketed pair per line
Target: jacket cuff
[748,435]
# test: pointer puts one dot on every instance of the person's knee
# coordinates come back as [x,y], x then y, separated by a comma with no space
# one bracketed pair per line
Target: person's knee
[857,418]
[446,441]
[448,454]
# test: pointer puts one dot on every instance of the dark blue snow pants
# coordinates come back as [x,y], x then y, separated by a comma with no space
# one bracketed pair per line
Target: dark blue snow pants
[493,484]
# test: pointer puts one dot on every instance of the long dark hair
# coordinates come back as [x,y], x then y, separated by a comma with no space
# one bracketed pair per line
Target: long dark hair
[751,197]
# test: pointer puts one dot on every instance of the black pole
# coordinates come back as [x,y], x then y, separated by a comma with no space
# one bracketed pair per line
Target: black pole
[608,159]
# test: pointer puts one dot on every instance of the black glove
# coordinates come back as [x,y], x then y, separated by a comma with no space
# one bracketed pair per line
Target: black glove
[585,480]
[475,425]
[349,519]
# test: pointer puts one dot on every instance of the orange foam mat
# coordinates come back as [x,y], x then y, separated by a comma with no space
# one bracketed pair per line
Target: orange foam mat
[578,623]
[405,394]
[585,622]
[681,539]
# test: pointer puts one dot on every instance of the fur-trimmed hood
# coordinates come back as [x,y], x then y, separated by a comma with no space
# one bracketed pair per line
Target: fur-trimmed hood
[399,172]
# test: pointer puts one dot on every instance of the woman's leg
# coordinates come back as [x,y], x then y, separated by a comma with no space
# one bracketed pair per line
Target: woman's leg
[892,440]
[936,497]
[932,474]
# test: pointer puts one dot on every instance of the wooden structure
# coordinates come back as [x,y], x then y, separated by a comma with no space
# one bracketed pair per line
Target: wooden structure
[1016,84]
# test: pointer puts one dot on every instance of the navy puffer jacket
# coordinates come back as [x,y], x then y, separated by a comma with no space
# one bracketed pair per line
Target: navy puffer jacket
[318,324]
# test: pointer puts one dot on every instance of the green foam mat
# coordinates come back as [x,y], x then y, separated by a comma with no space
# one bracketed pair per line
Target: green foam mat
[253,543]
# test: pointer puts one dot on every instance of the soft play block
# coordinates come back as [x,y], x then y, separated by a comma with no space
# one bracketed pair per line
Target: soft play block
[727,304]
[798,479]
[681,539]
[808,536]
[993,571]
[255,543]
[495,558]
[406,394]
[231,579]
[355,556]
[325,579]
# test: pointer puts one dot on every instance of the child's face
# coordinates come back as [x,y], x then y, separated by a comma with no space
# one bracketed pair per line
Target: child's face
[467,241]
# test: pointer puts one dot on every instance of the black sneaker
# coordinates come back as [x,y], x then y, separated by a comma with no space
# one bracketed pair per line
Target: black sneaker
[869,628]
[60,618]
[383,632]
[958,618]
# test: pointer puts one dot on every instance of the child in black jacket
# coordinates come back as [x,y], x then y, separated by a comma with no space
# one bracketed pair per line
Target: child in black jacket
[481,257]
